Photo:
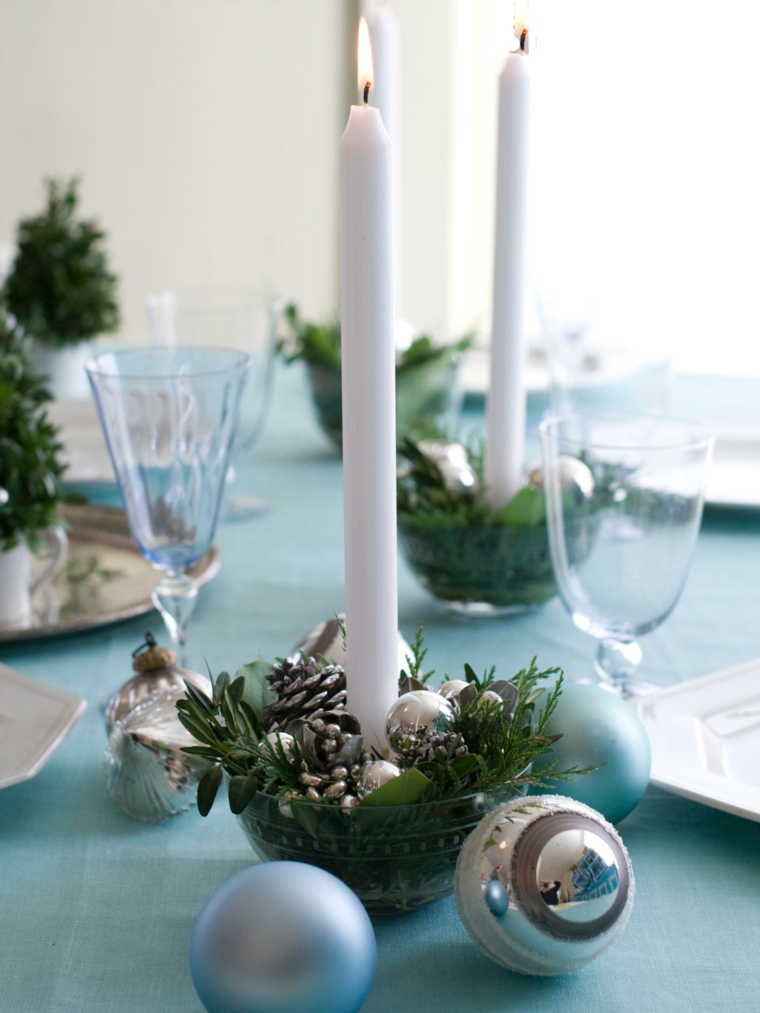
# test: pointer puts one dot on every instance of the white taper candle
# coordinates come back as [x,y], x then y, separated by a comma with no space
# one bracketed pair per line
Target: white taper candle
[369,424]
[505,446]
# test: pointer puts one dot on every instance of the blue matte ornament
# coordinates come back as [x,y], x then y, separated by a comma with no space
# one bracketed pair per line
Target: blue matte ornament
[598,727]
[496,897]
[283,937]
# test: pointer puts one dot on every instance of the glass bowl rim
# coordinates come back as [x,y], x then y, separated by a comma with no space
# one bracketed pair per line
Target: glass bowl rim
[240,362]
[703,434]
[417,806]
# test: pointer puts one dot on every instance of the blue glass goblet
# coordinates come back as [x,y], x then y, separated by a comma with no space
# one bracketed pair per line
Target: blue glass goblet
[169,416]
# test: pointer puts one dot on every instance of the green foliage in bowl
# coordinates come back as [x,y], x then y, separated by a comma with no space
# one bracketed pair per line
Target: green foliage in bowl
[30,465]
[425,372]
[461,549]
[60,288]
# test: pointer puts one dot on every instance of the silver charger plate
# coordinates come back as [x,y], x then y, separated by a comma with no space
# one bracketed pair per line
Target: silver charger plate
[105,578]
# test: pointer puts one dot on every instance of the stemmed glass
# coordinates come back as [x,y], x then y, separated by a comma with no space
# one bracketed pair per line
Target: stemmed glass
[621,551]
[169,416]
[240,318]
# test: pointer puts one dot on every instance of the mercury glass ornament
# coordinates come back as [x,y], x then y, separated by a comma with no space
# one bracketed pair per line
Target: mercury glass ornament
[451,689]
[270,741]
[451,460]
[326,640]
[375,774]
[414,716]
[147,774]
[156,669]
[575,476]
[283,937]
[566,878]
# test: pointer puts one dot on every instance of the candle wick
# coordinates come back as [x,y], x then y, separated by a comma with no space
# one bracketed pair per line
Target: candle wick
[366,92]
[524,40]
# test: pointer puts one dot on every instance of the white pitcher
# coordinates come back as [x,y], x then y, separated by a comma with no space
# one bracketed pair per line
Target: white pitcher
[17,582]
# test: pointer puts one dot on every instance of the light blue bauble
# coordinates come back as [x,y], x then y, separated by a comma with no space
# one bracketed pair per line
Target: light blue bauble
[598,727]
[283,937]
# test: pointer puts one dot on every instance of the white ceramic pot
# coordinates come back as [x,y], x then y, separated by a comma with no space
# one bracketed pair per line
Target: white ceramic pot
[18,582]
[64,368]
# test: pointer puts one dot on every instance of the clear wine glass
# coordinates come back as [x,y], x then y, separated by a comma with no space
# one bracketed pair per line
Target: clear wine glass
[239,318]
[169,416]
[621,540]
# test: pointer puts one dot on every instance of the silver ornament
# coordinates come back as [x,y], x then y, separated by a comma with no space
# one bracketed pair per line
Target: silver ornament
[4,497]
[326,640]
[375,774]
[145,684]
[575,477]
[451,689]
[451,460]
[415,715]
[268,744]
[564,885]
[147,774]
[156,669]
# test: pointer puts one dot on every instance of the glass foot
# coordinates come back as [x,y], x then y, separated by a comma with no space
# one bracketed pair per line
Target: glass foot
[483,610]
[242,508]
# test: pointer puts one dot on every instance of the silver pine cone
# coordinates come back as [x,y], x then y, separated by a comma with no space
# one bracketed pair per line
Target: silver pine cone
[438,746]
[305,689]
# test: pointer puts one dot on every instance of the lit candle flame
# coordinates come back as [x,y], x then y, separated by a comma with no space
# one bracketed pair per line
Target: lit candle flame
[366,73]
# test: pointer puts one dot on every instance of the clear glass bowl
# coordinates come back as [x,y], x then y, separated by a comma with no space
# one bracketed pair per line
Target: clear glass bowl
[395,858]
[483,571]
[428,391]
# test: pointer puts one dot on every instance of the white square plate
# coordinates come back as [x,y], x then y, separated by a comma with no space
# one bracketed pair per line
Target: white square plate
[705,737]
[34,721]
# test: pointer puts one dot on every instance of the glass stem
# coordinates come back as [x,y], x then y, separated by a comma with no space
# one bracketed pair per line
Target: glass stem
[616,663]
[175,597]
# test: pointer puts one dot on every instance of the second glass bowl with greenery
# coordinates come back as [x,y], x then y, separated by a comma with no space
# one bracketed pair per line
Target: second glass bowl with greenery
[304,788]
[476,560]
[427,374]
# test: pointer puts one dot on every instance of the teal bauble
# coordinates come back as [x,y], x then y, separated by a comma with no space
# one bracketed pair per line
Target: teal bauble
[283,937]
[598,728]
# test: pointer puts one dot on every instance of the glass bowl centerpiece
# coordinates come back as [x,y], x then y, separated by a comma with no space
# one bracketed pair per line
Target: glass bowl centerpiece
[427,372]
[477,560]
[305,788]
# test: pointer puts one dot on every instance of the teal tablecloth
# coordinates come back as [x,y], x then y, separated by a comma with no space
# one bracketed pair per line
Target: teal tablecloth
[96,909]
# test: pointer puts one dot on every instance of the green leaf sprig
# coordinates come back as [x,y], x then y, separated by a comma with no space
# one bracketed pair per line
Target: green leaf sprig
[501,753]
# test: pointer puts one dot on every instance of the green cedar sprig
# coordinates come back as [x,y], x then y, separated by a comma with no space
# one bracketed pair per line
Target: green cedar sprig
[501,754]
[60,288]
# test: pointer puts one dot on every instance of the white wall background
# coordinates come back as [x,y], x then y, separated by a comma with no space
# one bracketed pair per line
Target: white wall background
[206,133]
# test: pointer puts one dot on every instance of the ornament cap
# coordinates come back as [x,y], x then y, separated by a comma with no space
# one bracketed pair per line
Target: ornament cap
[149,656]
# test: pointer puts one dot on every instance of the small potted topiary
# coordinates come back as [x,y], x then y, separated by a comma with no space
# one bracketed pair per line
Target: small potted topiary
[60,289]
[30,481]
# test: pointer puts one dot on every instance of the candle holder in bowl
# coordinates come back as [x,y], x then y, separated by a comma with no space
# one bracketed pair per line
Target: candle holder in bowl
[428,384]
[476,560]
[305,788]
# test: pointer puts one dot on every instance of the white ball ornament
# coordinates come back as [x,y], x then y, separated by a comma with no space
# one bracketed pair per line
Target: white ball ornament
[283,937]
[544,885]
[414,715]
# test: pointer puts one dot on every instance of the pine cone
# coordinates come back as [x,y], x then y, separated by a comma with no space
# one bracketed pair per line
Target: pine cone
[438,746]
[331,748]
[305,689]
